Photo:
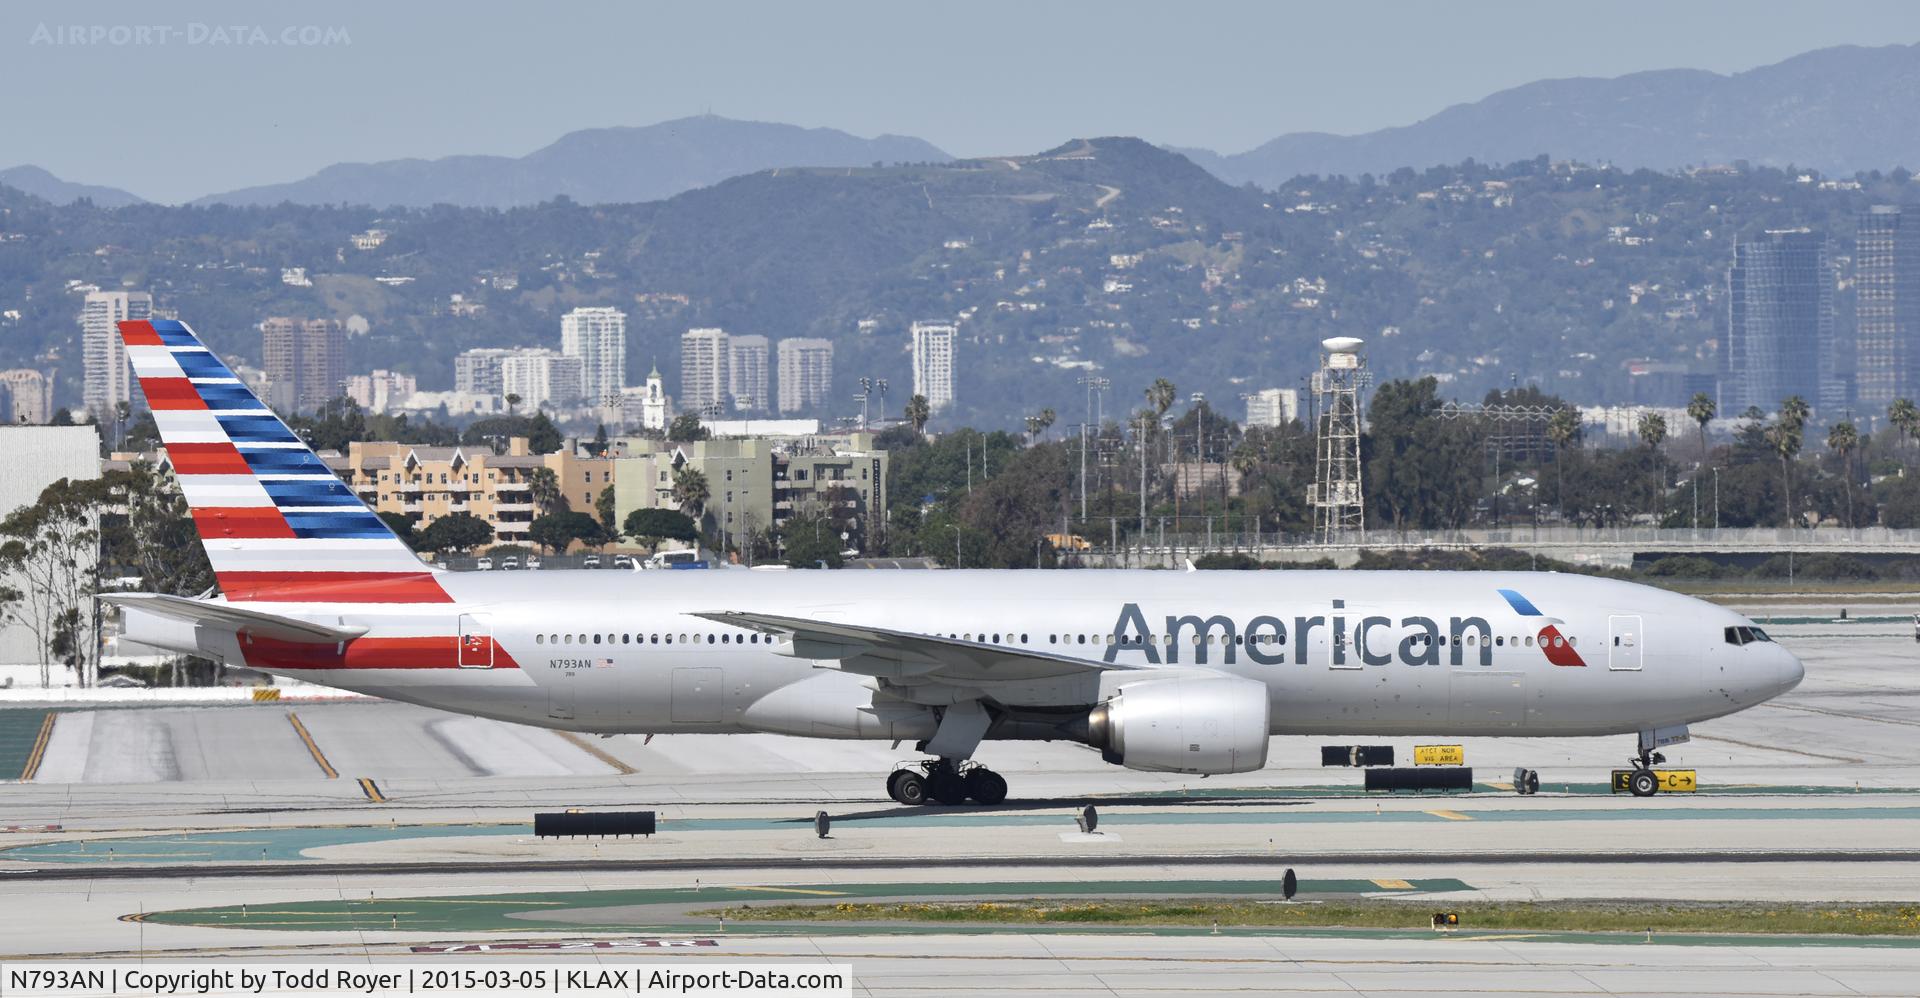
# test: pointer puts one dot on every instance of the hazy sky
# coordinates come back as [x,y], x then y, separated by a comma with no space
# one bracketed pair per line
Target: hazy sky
[186,111]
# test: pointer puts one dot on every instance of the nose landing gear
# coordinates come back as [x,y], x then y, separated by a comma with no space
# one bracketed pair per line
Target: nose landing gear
[946,781]
[1643,783]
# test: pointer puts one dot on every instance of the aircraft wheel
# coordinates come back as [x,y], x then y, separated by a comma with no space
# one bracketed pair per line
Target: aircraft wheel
[986,786]
[946,786]
[907,787]
[1643,783]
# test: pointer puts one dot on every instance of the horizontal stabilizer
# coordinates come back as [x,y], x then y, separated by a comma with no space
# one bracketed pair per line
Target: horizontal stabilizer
[226,616]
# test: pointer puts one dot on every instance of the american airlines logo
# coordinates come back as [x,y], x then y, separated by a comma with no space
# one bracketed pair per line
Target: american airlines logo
[1367,640]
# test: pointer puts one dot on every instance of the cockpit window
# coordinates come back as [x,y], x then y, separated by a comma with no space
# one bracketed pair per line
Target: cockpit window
[1746,635]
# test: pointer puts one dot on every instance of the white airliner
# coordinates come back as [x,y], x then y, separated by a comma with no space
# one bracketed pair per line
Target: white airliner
[1182,672]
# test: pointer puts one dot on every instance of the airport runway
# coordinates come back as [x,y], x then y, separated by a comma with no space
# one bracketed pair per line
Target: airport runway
[1815,797]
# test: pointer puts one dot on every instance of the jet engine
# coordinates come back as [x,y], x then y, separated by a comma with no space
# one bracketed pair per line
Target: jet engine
[1194,725]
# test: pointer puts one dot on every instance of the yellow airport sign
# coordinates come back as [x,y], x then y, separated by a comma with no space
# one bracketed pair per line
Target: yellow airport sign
[1677,781]
[1668,781]
[1439,755]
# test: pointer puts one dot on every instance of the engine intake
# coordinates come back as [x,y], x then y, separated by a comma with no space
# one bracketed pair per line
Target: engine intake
[1206,726]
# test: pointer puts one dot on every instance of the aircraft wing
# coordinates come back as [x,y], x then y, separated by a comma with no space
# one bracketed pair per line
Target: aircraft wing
[226,616]
[880,651]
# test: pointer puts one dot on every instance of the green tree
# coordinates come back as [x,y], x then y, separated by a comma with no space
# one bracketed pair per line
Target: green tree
[542,436]
[603,506]
[459,533]
[1653,433]
[918,411]
[1421,472]
[513,403]
[50,550]
[1843,438]
[1701,409]
[600,442]
[686,428]
[690,490]
[1905,417]
[543,489]
[651,526]
[557,531]
[1563,429]
[1161,395]
[402,527]
[1784,438]
[809,540]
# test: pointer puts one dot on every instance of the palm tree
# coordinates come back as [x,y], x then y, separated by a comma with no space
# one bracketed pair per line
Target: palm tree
[1842,439]
[1161,395]
[543,488]
[919,410]
[1784,436]
[1653,433]
[513,402]
[1905,417]
[1702,409]
[1046,419]
[690,491]
[1563,428]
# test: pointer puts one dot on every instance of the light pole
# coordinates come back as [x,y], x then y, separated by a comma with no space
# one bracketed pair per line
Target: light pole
[956,544]
[1199,400]
[1716,498]
[1091,384]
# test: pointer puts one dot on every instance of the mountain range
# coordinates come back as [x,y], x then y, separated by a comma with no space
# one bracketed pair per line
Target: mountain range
[592,166]
[47,187]
[1837,109]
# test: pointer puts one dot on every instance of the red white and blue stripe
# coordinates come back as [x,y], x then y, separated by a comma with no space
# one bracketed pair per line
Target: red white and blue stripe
[277,524]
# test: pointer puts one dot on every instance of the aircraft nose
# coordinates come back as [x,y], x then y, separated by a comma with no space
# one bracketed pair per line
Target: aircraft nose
[1791,671]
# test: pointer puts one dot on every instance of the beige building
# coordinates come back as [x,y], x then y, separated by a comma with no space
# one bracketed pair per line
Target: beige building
[757,484]
[427,483]
[32,394]
[305,360]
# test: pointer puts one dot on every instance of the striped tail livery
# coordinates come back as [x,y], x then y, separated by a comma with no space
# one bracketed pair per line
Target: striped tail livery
[277,524]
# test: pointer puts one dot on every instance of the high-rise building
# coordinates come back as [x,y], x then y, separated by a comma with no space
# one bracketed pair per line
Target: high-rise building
[1271,407]
[1780,337]
[703,371]
[747,373]
[598,336]
[806,373]
[477,371]
[1886,261]
[381,391]
[933,363]
[543,378]
[32,394]
[306,361]
[109,380]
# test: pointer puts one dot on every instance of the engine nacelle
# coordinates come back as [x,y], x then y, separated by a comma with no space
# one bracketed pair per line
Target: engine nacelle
[1194,725]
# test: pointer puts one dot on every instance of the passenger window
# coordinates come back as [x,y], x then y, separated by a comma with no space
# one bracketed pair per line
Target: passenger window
[1083,639]
[626,639]
[709,639]
[539,639]
[1053,639]
[1500,641]
[596,639]
[569,639]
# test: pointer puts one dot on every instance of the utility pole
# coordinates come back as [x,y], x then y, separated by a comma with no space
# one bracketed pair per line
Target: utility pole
[1199,400]
[1091,384]
[1142,442]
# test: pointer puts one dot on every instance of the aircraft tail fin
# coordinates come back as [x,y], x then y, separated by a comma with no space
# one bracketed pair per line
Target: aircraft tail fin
[277,524]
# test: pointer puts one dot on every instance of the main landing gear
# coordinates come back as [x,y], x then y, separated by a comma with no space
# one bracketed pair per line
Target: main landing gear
[946,781]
